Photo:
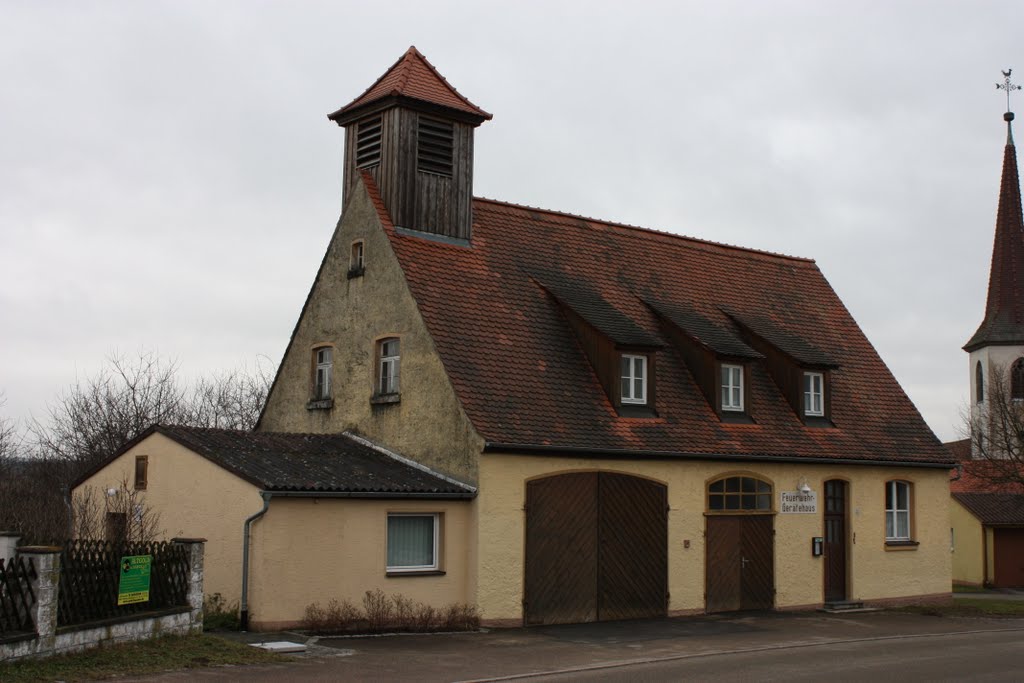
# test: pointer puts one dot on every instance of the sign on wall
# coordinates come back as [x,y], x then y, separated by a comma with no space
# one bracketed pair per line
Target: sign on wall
[134,585]
[798,502]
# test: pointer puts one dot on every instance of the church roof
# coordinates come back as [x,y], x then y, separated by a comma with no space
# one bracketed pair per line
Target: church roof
[412,77]
[495,311]
[1004,309]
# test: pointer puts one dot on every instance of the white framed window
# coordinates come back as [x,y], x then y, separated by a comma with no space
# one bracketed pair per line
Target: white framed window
[355,262]
[634,379]
[814,393]
[412,540]
[732,387]
[323,359]
[897,511]
[388,366]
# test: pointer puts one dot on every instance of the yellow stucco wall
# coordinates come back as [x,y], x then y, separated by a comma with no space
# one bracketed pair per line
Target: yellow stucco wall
[875,572]
[195,499]
[969,548]
[428,424]
[307,550]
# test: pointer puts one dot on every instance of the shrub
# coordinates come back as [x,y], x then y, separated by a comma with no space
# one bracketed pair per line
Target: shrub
[218,615]
[383,613]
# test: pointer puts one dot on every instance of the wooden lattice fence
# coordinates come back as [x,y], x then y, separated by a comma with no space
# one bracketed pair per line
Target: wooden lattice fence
[90,573]
[16,596]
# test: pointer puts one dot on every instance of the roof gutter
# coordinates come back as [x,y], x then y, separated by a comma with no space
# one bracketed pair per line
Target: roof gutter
[580,451]
[244,608]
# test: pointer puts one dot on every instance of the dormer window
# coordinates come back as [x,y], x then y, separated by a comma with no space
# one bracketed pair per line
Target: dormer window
[634,379]
[732,388]
[814,394]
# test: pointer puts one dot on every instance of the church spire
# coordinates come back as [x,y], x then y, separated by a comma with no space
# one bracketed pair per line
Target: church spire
[1004,310]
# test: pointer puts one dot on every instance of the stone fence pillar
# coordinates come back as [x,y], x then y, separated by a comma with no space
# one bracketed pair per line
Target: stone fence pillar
[47,588]
[196,548]
[8,542]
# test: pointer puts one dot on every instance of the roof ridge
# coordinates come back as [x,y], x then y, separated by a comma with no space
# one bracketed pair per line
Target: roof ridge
[455,91]
[653,232]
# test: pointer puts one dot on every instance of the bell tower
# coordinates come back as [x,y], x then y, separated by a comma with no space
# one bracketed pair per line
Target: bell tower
[997,347]
[413,132]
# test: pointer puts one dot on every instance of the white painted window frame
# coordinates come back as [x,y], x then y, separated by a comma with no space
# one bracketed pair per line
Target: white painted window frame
[814,390]
[323,358]
[732,382]
[388,367]
[436,565]
[630,376]
[895,513]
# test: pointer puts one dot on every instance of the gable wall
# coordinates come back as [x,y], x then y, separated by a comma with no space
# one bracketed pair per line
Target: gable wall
[194,499]
[428,424]
[969,546]
[875,572]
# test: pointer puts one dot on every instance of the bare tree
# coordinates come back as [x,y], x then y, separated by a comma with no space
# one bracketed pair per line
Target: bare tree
[119,514]
[232,399]
[996,431]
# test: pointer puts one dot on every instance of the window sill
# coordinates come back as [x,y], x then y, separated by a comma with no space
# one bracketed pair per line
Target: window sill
[417,572]
[356,272]
[385,399]
[901,545]
[320,404]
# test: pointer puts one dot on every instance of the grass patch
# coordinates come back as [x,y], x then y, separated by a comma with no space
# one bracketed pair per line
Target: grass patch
[168,653]
[382,613]
[969,607]
[970,589]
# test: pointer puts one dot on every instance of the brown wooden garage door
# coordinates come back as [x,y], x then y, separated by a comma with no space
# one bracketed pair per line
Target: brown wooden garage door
[596,548]
[1009,558]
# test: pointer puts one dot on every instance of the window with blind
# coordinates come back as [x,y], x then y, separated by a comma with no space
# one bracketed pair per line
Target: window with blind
[412,542]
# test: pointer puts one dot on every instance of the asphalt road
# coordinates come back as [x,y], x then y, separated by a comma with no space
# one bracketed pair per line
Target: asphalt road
[789,647]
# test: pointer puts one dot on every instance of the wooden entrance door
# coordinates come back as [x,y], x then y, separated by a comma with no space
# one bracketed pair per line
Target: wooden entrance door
[739,563]
[835,541]
[596,548]
[1008,558]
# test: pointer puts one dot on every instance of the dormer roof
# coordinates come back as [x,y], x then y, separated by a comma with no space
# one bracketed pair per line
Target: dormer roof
[1004,308]
[413,80]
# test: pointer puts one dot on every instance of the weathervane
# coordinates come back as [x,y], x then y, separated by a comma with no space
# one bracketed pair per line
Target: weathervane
[1007,86]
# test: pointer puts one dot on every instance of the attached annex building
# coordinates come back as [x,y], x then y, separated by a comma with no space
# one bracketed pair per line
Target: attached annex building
[646,424]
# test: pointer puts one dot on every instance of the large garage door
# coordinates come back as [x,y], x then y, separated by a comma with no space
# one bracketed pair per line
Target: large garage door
[1009,558]
[596,548]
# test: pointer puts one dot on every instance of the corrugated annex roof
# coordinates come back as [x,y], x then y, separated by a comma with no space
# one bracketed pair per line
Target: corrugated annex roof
[994,508]
[334,463]
[522,378]
[412,76]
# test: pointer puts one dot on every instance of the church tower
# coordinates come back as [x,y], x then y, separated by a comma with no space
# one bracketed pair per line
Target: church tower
[997,348]
[413,132]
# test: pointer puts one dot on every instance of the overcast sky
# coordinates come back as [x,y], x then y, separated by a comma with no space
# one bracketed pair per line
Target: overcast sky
[169,180]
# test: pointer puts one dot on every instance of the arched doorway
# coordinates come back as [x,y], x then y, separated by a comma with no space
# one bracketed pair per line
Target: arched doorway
[740,545]
[596,548]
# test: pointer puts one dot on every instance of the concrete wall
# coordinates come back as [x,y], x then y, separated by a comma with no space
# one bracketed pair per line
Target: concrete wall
[307,550]
[195,499]
[877,572]
[428,424]
[969,546]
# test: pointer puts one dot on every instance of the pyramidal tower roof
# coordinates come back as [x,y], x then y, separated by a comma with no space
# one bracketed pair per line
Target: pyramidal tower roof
[415,80]
[1004,310]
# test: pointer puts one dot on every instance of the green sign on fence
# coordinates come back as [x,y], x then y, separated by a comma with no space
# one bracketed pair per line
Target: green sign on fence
[134,586]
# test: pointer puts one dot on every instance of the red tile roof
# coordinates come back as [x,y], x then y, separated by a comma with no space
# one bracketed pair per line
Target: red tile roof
[412,76]
[983,476]
[1004,309]
[523,378]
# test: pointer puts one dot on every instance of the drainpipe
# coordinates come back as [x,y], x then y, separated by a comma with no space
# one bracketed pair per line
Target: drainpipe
[244,608]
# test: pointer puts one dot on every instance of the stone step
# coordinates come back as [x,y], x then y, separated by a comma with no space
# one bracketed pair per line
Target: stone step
[844,606]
